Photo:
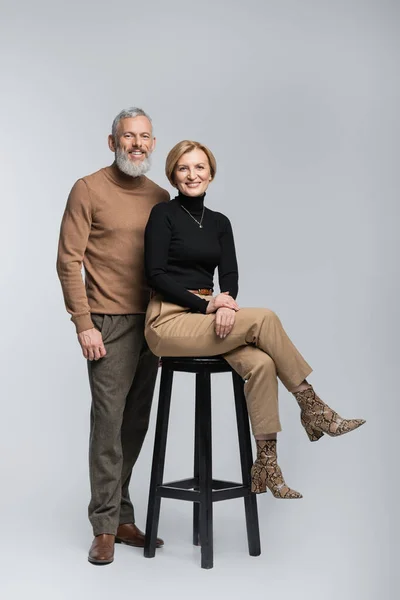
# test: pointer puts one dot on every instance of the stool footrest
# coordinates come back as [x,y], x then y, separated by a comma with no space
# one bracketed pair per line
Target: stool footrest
[187,489]
[237,491]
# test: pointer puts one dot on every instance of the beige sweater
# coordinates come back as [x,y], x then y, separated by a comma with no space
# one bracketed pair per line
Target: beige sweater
[103,228]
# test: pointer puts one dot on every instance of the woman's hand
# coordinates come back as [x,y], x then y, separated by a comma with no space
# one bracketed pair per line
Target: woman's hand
[223,300]
[224,321]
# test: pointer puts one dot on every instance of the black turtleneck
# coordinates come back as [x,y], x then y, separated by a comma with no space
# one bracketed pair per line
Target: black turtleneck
[181,256]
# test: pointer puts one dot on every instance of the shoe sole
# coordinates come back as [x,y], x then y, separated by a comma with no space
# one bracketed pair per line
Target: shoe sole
[99,563]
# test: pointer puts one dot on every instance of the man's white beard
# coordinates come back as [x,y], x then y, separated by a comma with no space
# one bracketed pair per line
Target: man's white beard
[127,166]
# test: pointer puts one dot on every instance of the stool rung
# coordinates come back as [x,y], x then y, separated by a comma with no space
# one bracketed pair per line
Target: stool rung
[239,491]
[188,484]
[183,490]
[178,493]
[219,484]
[182,484]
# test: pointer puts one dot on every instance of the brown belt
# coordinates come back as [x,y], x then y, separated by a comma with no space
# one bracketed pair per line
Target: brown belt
[202,292]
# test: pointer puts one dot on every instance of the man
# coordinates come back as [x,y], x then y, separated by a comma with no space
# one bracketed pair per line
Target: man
[103,228]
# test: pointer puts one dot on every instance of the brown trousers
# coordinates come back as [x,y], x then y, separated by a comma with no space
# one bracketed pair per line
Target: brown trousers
[122,385]
[257,348]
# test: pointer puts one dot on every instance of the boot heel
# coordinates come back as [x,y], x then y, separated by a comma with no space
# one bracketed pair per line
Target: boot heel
[256,490]
[313,434]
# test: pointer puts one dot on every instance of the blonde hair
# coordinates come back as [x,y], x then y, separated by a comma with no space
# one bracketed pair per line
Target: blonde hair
[182,148]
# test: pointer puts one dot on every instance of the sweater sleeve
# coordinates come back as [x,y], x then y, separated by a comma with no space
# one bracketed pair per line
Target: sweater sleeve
[228,274]
[156,245]
[74,234]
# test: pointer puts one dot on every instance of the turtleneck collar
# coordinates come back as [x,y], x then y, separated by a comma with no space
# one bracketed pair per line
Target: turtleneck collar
[123,180]
[193,204]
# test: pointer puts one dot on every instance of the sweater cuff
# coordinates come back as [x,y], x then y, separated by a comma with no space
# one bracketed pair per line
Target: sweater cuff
[82,323]
[203,309]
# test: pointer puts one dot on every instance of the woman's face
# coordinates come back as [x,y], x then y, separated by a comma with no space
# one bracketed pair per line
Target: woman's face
[192,173]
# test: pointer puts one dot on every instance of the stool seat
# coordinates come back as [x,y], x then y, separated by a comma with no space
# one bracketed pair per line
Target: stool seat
[201,488]
[196,364]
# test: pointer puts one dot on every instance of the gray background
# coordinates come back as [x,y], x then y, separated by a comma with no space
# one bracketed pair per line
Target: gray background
[299,101]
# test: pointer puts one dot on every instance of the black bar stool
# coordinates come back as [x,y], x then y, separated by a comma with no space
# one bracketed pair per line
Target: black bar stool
[201,489]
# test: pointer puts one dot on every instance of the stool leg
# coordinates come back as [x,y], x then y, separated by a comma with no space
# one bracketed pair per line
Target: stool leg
[246,461]
[203,397]
[196,505]
[157,469]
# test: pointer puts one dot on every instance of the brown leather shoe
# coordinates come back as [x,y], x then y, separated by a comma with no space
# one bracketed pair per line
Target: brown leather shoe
[102,549]
[129,534]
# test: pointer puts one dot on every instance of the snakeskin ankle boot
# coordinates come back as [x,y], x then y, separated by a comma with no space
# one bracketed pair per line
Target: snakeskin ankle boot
[317,418]
[266,472]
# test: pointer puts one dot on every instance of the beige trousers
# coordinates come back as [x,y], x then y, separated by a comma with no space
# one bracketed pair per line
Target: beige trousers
[257,348]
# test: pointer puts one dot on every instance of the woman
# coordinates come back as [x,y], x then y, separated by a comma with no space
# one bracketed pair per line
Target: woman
[184,243]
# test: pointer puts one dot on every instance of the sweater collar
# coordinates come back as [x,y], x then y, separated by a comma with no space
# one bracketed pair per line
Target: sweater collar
[123,180]
[193,204]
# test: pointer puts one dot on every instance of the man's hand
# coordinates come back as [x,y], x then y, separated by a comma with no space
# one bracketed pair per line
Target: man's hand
[92,344]
[221,300]
[224,321]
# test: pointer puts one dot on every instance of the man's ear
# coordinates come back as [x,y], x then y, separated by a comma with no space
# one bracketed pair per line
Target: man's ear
[154,144]
[111,143]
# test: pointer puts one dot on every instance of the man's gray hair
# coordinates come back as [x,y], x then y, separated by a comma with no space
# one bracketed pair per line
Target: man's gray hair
[126,114]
